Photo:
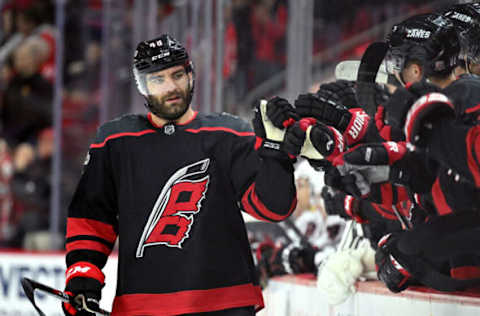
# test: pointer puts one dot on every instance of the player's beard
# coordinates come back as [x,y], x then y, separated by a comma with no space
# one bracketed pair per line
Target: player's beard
[169,111]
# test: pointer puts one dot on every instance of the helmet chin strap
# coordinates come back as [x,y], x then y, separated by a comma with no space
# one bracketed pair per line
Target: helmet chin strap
[398,76]
[467,64]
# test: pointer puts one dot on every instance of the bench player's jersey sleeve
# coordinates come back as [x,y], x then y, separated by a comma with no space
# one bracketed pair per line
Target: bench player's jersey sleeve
[92,214]
[264,186]
[458,147]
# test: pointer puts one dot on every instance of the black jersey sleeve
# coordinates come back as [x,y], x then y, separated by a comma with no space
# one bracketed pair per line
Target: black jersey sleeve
[92,214]
[457,147]
[264,186]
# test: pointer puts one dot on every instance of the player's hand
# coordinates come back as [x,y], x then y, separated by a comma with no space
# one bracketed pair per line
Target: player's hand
[341,204]
[281,113]
[340,91]
[84,281]
[269,137]
[324,109]
[297,136]
[373,161]
[390,270]
[326,140]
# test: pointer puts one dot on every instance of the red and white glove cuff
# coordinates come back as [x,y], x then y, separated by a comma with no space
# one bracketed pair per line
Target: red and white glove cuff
[357,127]
[395,151]
[348,206]
[84,269]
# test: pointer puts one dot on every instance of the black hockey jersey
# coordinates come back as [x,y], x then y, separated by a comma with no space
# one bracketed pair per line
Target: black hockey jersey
[173,194]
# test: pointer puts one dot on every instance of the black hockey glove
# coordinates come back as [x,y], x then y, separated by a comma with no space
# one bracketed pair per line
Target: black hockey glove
[389,161]
[352,124]
[84,281]
[327,141]
[281,113]
[340,203]
[389,270]
[296,136]
[402,100]
[269,137]
[424,114]
[324,109]
[340,91]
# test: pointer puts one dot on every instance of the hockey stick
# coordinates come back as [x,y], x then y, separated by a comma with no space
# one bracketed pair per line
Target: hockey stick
[303,239]
[367,72]
[29,287]
[406,224]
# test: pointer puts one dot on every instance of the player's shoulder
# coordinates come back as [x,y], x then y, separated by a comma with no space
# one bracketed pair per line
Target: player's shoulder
[123,125]
[464,81]
[226,121]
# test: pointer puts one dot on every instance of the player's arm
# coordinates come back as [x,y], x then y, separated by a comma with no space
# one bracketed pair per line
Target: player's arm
[91,227]
[457,147]
[261,171]
[430,124]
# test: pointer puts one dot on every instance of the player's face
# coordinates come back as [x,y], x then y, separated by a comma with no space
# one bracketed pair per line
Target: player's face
[168,92]
[412,73]
[474,68]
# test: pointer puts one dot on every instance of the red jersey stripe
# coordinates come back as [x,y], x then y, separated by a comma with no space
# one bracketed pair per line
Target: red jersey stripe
[219,129]
[88,245]
[264,210]
[473,153]
[249,209]
[474,109]
[387,194]
[439,199]
[185,302]
[98,145]
[465,273]
[90,227]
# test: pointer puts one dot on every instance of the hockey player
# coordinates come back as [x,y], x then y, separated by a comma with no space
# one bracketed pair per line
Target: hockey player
[170,186]
[466,18]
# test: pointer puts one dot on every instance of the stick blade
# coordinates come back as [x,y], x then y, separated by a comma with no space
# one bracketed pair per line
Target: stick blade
[29,292]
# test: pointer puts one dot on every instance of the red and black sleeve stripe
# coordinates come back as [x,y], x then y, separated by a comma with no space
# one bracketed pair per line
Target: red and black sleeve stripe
[254,206]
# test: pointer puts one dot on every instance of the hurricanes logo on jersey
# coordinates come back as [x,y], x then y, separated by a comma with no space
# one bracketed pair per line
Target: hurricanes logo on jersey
[172,216]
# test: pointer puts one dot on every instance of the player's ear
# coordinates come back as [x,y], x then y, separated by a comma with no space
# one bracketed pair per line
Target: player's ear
[417,71]
[190,78]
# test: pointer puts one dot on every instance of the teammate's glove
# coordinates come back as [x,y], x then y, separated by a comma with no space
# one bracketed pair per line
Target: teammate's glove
[352,183]
[352,124]
[422,116]
[389,270]
[270,134]
[314,141]
[373,161]
[296,136]
[402,99]
[281,113]
[84,281]
[324,109]
[340,91]
[390,161]
[339,203]
[326,140]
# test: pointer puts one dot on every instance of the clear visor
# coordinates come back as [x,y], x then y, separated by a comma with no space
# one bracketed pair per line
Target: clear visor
[394,63]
